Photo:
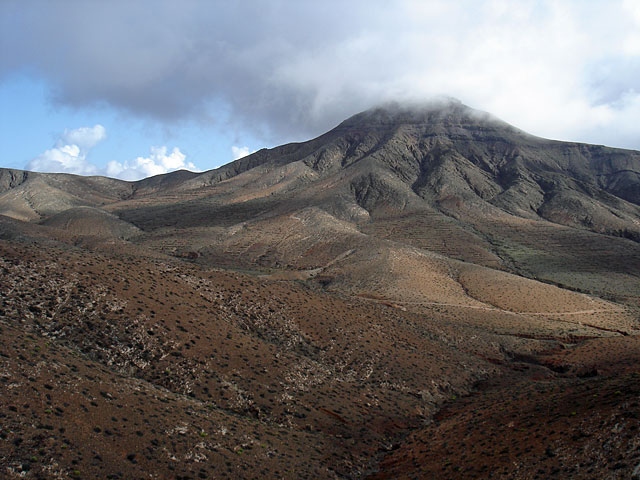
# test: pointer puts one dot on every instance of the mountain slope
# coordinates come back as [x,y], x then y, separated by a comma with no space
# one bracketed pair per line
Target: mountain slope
[309,309]
[468,186]
[438,176]
[405,157]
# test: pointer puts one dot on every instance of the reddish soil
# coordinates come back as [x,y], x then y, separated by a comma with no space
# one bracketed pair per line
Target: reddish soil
[536,426]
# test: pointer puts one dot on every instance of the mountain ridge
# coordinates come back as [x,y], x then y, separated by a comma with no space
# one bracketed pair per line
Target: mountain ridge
[325,309]
[430,114]
[440,155]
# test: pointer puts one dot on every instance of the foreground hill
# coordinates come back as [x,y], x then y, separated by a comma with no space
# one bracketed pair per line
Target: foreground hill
[299,312]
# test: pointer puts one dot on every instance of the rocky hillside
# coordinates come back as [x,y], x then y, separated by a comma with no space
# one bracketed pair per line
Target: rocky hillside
[325,309]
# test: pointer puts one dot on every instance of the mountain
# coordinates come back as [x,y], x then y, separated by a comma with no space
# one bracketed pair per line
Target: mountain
[307,307]
[484,191]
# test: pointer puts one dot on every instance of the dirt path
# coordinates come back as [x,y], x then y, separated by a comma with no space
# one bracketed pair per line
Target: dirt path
[495,309]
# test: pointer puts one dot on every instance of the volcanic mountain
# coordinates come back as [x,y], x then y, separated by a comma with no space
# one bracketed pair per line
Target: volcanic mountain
[307,306]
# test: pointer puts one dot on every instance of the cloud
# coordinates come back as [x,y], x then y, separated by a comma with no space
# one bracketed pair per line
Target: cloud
[563,69]
[158,162]
[239,152]
[70,153]
[85,137]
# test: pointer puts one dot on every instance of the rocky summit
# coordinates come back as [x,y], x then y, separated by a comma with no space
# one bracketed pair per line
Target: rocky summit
[424,291]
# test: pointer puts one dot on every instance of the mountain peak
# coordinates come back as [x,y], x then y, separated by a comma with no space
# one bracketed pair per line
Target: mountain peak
[439,110]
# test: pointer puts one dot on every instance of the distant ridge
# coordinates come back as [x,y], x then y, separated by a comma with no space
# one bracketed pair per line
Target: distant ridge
[398,156]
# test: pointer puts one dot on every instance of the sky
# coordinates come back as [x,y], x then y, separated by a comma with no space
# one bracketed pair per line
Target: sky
[135,88]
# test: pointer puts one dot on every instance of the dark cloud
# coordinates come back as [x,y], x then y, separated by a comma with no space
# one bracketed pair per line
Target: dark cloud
[170,60]
[290,69]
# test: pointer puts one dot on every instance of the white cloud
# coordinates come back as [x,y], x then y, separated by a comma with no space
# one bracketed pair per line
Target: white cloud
[555,68]
[239,152]
[158,162]
[70,153]
[72,148]
[631,44]
[85,137]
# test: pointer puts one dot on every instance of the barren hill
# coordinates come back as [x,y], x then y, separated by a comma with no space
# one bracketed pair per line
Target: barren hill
[298,312]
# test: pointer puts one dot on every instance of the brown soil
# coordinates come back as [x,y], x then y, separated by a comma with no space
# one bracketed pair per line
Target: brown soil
[534,427]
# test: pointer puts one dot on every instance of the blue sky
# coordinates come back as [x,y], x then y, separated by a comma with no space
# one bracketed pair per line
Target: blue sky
[32,124]
[134,88]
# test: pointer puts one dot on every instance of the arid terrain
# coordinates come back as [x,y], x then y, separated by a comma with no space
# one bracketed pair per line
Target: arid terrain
[421,292]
